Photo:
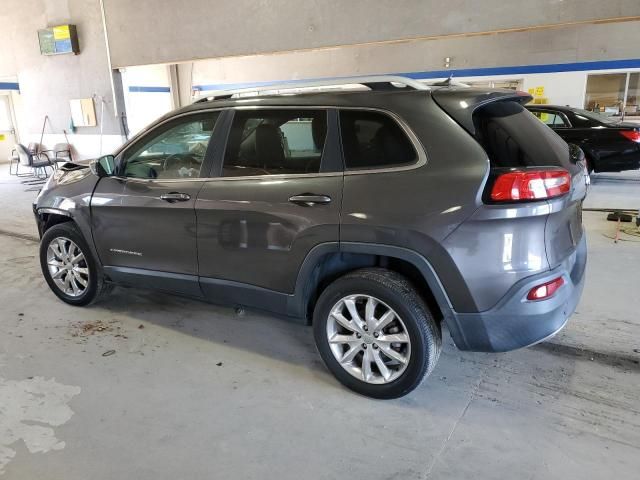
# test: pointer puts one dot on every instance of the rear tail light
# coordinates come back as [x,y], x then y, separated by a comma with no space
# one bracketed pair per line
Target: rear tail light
[546,290]
[633,135]
[530,185]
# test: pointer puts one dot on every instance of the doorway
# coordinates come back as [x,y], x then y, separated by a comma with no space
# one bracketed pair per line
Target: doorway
[7,129]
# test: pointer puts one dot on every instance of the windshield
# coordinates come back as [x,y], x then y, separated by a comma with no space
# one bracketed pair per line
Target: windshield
[598,117]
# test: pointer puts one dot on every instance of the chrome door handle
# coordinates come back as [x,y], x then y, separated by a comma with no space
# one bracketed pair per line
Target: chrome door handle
[309,199]
[175,197]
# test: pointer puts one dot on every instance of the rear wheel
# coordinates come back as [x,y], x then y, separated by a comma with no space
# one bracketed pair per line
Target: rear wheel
[68,265]
[375,333]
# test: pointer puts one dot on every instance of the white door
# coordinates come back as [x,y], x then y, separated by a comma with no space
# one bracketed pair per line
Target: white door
[7,132]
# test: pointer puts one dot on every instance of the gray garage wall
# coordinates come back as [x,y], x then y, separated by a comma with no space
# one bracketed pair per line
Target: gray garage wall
[569,44]
[47,83]
[164,31]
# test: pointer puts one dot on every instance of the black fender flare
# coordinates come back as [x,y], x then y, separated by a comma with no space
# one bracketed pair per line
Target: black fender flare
[297,304]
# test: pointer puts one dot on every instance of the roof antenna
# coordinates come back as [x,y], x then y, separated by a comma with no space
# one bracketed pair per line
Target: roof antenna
[449,80]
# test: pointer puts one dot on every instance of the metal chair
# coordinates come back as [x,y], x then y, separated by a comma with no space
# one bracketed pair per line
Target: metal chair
[33,147]
[61,153]
[14,159]
[37,162]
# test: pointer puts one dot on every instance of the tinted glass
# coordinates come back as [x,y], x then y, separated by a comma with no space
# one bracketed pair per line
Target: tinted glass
[172,152]
[374,140]
[513,137]
[270,142]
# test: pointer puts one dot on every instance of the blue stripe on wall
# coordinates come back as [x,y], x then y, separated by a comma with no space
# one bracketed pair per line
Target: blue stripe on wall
[9,86]
[150,89]
[461,72]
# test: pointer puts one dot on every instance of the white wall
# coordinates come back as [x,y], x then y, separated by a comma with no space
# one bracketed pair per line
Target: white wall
[563,88]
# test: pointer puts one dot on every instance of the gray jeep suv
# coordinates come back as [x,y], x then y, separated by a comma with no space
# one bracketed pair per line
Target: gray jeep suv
[378,216]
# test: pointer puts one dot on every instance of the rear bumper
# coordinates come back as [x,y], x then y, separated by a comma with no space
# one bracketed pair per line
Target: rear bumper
[515,322]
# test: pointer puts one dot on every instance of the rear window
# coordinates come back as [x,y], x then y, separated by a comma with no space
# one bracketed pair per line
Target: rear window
[374,140]
[514,138]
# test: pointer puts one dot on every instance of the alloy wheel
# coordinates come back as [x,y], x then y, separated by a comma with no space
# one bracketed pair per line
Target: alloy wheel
[368,339]
[67,266]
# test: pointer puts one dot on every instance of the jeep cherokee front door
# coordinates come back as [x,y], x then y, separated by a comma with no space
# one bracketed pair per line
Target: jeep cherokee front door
[276,194]
[143,218]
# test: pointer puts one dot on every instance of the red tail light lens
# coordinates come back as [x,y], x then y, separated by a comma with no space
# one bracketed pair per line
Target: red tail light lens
[546,290]
[633,135]
[530,185]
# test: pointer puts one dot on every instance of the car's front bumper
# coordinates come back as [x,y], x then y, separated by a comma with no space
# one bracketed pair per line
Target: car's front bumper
[515,322]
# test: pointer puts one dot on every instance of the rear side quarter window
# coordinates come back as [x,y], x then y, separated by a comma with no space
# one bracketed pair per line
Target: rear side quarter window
[374,140]
[514,138]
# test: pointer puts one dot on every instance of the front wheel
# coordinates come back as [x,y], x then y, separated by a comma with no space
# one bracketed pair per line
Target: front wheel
[68,265]
[375,333]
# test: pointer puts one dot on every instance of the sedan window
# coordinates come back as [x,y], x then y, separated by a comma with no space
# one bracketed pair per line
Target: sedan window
[553,119]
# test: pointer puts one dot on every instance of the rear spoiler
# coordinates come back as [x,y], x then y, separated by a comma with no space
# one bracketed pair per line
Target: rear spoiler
[461,103]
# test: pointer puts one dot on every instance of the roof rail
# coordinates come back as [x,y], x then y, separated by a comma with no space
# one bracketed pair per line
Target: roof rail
[374,82]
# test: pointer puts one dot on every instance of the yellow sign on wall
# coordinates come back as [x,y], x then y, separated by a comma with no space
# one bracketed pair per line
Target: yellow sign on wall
[536,91]
[2,137]
[61,32]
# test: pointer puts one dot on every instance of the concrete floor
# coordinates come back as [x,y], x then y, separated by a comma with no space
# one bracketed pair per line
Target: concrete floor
[189,390]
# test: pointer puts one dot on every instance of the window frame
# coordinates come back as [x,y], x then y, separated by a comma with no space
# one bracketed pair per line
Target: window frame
[163,126]
[333,141]
[421,158]
[328,166]
[214,157]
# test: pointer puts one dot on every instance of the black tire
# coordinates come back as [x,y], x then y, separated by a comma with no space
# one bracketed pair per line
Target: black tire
[589,165]
[397,292]
[96,286]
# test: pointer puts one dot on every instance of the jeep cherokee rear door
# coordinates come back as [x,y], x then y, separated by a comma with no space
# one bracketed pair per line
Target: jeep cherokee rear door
[275,194]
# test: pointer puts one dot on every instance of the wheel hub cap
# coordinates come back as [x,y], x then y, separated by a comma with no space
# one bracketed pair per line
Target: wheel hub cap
[368,339]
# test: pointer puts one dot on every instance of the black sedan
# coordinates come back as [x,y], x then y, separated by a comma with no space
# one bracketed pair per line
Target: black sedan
[609,144]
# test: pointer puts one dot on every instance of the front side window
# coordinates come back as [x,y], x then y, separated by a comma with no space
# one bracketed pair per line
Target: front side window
[374,140]
[271,142]
[172,152]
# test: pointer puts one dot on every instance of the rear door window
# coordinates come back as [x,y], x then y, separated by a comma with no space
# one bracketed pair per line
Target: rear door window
[513,137]
[374,140]
[271,142]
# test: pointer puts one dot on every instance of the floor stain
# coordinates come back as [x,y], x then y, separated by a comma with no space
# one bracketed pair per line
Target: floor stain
[28,411]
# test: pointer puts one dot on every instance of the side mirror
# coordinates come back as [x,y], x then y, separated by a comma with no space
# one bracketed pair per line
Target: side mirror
[103,166]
